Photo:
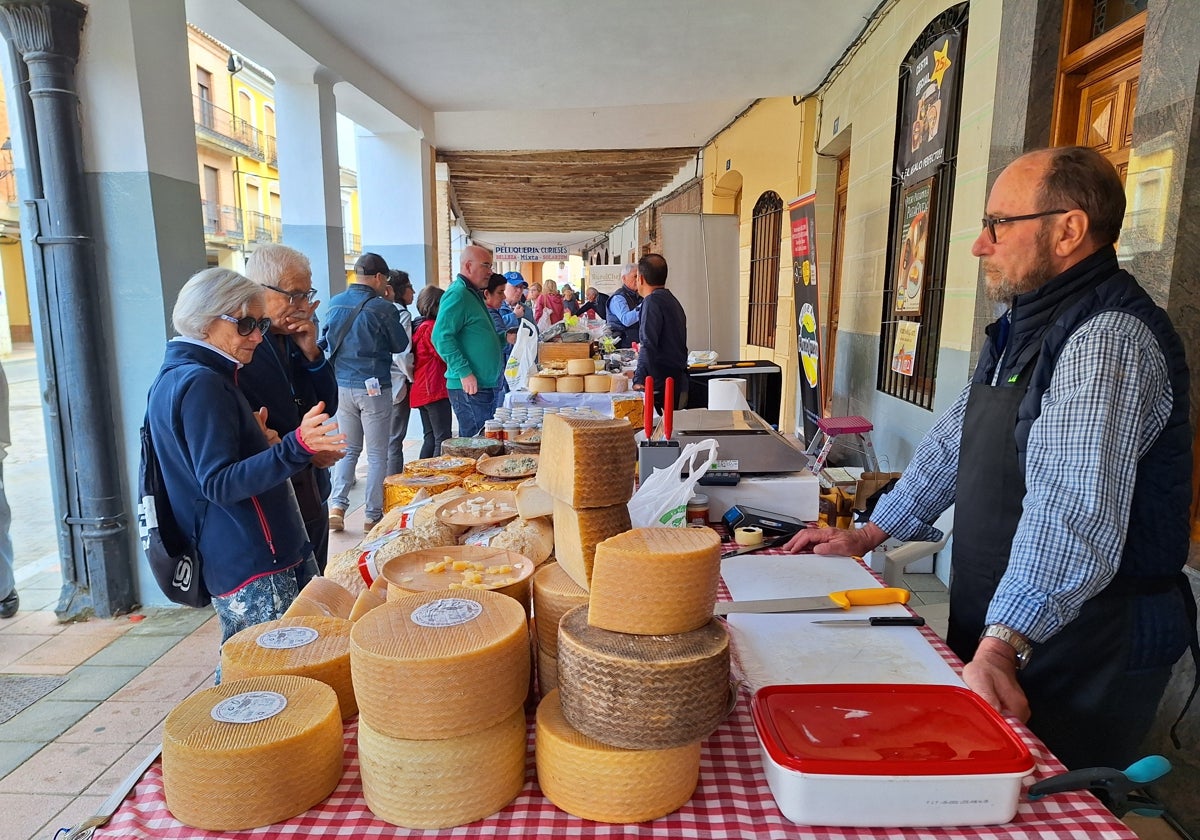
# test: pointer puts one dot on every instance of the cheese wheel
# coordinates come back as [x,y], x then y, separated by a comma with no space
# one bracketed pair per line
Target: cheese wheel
[366,602]
[317,647]
[441,465]
[642,692]
[578,531]
[587,463]
[553,594]
[655,581]
[282,759]
[595,781]
[542,384]
[547,673]
[597,383]
[570,384]
[401,489]
[440,664]
[444,783]
[581,367]
[477,483]
[618,384]
[472,447]
[322,596]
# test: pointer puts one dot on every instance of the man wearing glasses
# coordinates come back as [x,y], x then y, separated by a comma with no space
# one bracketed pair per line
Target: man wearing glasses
[289,375]
[466,339]
[360,337]
[1068,458]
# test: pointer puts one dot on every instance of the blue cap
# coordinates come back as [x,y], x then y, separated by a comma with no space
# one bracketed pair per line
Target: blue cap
[514,278]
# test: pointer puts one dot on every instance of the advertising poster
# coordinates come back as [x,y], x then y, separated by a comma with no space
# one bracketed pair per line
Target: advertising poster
[928,111]
[916,218]
[802,214]
[905,347]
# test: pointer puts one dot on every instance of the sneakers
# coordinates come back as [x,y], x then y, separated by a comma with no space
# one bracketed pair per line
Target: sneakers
[10,605]
[337,519]
[369,524]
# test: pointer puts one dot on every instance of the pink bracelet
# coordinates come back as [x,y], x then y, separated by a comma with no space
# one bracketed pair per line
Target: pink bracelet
[306,447]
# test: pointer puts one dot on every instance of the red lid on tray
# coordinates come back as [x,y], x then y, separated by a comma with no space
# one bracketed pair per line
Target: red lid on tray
[885,730]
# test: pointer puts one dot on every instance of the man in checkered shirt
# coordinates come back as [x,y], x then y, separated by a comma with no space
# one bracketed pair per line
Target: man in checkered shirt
[1068,457]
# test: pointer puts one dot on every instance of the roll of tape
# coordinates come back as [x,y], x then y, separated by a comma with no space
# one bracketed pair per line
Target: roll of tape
[748,536]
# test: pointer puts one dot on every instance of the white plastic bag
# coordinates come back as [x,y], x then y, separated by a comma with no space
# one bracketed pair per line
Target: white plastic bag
[522,361]
[544,321]
[661,500]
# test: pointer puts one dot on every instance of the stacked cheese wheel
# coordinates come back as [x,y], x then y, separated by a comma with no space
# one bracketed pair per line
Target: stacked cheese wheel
[643,678]
[251,752]
[441,680]
[554,593]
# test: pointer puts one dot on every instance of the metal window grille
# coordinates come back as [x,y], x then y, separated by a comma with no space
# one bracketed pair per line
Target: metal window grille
[766,227]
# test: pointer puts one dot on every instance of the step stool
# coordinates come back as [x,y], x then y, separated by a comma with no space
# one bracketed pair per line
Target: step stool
[828,431]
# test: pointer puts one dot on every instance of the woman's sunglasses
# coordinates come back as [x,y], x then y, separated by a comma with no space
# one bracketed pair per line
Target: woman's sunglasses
[248,324]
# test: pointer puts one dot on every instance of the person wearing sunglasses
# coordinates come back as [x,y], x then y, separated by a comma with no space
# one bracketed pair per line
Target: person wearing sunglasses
[289,375]
[225,479]
[1068,460]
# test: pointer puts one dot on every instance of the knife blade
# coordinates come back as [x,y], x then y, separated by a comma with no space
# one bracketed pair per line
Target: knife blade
[750,549]
[877,621]
[833,601]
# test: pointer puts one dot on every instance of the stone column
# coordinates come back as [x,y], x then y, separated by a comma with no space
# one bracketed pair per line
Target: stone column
[396,200]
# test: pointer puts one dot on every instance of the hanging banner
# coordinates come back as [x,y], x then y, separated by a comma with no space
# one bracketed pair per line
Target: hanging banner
[905,347]
[604,278]
[802,214]
[916,219]
[531,253]
[929,107]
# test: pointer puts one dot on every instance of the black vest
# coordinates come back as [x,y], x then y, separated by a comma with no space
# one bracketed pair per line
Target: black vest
[619,330]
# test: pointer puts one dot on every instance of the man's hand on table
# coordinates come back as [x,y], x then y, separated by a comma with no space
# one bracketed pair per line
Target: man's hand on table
[848,542]
[992,674]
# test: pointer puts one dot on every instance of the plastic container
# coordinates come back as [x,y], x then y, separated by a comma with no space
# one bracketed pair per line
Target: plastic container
[697,510]
[888,755]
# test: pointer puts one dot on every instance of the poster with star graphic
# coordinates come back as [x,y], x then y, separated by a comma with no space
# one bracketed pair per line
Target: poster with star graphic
[929,107]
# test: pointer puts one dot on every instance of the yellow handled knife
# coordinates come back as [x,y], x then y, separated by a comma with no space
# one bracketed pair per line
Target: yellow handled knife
[833,601]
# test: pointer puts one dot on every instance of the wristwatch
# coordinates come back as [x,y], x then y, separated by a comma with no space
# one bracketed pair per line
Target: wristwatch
[1012,638]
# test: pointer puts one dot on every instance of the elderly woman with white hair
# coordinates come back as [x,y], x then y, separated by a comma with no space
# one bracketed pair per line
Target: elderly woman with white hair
[223,470]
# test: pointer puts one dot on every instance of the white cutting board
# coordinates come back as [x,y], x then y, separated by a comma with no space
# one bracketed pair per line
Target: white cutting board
[788,648]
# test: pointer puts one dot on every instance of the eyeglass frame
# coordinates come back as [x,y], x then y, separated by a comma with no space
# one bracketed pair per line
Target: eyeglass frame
[990,222]
[305,297]
[247,324]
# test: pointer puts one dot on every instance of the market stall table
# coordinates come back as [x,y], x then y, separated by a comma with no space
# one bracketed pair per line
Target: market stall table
[732,799]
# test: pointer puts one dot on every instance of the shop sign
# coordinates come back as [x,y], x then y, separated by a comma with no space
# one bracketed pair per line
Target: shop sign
[531,253]
[802,215]
[928,109]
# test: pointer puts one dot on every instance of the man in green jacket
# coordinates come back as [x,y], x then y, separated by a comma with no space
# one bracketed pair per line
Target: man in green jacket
[466,339]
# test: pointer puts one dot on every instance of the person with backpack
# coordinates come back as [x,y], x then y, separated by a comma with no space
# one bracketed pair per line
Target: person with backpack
[225,473]
[429,395]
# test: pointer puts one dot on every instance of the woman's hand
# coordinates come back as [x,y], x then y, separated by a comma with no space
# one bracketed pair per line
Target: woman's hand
[318,432]
[270,434]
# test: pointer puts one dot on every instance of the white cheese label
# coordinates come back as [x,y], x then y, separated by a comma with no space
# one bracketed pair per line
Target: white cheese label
[446,612]
[249,707]
[484,537]
[283,638]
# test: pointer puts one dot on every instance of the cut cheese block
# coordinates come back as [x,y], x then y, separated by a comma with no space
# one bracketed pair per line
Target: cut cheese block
[532,537]
[642,692]
[317,647]
[547,673]
[366,602]
[587,463]
[570,384]
[629,406]
[444,783]
[322,596]
[553,594]
[440,664]
[401,489]
[595,781]
[597,383]
[253,752]
[655,581]
[578,531]
[532,501]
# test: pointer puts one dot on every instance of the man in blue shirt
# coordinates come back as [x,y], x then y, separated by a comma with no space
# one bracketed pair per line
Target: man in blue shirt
[360,337]
[625,308]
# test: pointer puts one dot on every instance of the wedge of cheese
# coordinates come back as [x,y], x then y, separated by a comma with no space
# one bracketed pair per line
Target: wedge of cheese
[440,664]
[366,602]
[252,752]
[642,692]
[577,531]
[596,781]
[533,501]
[322,596]
[443,783]
[553,594]
[655,581]
[587,463]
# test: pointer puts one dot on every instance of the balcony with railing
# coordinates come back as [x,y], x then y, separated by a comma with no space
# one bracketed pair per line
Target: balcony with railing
[230,132]
[353,243]
[263,228]
[221,221]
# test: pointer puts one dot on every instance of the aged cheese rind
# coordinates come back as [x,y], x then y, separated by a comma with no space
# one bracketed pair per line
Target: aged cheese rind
[554,592]
[547,673]
[327,658]
[655,581]
[642,692]
[595,781]
[587,463]
[423,683]
[443,783]
[222,776]
[578,531]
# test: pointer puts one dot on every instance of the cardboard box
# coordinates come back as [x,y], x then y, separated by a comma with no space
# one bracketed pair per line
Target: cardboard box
[870,483]
[559,351]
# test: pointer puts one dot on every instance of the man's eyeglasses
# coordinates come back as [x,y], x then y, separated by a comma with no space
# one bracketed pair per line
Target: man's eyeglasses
[248,324]
[990,222]
[294,298]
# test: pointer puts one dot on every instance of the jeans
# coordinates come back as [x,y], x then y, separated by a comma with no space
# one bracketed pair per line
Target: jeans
[7,582]
[366,422]
[400,414]
[435,417]
[472,410]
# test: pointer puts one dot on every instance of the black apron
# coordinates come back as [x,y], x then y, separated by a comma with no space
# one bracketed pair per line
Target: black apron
[1087,706]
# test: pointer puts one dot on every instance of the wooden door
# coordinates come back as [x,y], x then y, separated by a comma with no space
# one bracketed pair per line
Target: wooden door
[1107,96]
[835,284]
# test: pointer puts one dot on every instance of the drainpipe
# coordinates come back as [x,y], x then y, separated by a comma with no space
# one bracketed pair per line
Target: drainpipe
[46,34]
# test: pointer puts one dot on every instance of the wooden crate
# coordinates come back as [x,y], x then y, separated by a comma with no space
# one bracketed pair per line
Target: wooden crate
[558,351]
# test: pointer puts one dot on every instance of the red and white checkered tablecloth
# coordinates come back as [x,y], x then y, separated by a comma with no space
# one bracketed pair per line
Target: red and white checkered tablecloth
[732,802]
